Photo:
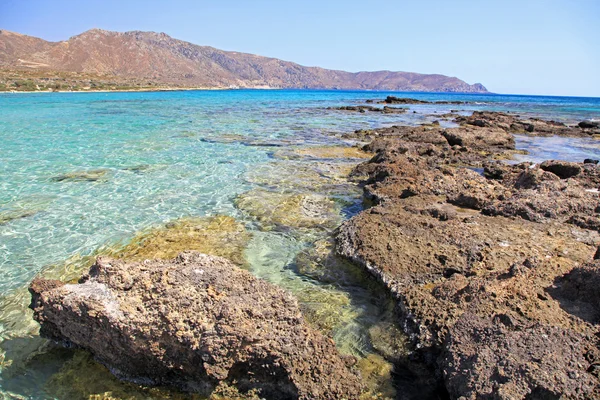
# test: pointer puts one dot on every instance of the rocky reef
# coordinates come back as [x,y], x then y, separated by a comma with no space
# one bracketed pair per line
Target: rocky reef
[492,265]
[533,126]
[193,322]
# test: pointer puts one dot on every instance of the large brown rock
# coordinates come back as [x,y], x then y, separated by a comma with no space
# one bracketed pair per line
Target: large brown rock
[193,322]
[493,279]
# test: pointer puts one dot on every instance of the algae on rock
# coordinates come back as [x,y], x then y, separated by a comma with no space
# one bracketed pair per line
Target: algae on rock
[294,210]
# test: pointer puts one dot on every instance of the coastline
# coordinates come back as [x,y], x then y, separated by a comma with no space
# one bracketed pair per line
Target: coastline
[432,212]
[481,255]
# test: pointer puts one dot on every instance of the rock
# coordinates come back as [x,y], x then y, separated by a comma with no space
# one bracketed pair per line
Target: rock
[512,123]
[485,358]
[218,235]
[82,176]
[555,190]
[590,161]
[362,109]
[193,322]
[562,169]
[393,110]
[578,291]
[476,139]
[402,100]
[464,253]
[589,124]
[297,210]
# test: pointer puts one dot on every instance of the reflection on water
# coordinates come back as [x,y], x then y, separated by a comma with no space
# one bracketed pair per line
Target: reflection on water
[556,148]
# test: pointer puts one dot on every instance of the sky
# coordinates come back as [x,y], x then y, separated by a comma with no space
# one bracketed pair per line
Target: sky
[545,47]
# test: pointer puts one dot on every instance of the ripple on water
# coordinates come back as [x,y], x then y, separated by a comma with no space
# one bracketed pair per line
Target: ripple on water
[205,149]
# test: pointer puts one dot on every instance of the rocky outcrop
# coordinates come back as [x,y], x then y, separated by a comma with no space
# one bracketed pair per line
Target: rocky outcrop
[404,100]
[490,266]
[530,126]
[193,322]
[362,109]
[557,190]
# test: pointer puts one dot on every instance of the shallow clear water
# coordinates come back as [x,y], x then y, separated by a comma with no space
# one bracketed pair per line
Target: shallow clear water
[148,158]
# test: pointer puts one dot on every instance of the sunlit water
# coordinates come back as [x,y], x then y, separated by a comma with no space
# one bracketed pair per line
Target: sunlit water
[156,157]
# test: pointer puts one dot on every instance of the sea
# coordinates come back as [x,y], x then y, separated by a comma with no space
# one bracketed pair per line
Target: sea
[81,172]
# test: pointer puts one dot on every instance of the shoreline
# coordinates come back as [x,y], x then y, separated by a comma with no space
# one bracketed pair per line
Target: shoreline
[433,213]
[473,251]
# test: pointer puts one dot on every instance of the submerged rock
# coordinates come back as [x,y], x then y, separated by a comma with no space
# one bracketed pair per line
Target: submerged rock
[11,215]
[218,235]
[193,322]
[328,178]
[82,176]
[83,378]
[324,152]
[297,210]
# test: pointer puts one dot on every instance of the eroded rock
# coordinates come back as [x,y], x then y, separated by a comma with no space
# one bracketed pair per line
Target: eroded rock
[485,263]
[193,322]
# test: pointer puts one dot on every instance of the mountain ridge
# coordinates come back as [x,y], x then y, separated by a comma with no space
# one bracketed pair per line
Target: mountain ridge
[160,59]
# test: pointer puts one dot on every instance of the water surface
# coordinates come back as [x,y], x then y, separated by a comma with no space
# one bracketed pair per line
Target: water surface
[85,170]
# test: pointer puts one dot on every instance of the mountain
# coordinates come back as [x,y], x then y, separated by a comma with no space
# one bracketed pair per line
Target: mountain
[158,59]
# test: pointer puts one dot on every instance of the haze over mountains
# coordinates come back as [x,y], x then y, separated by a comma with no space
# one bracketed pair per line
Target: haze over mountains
[159,59]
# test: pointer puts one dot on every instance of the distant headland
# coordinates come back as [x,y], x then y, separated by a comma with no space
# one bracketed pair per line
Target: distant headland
[104,60]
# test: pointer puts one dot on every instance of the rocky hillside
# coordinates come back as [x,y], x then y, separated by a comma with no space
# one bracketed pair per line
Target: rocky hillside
[156,58]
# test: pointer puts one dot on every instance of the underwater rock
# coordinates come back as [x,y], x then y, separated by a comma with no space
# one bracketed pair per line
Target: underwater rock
[378,373]
[323,152]
[93,175]
[218,235]
[326,307]
[193,322]
[11,215]
[320,262]
[296,210]
[82,377]
[326,178]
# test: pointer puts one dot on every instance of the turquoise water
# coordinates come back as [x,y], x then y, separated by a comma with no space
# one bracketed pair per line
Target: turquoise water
[156,157]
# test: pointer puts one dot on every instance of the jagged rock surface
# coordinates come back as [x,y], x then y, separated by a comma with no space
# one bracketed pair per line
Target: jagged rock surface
[193,322]
[492,267]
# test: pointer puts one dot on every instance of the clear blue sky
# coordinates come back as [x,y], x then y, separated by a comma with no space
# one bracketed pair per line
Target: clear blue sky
[523,46]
